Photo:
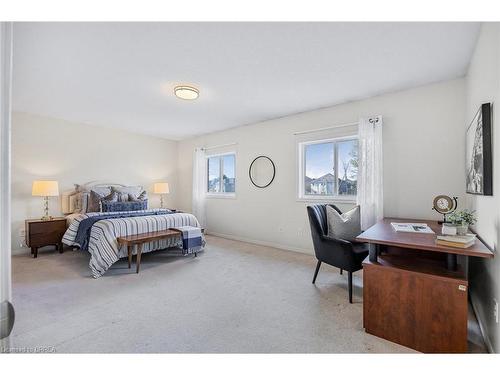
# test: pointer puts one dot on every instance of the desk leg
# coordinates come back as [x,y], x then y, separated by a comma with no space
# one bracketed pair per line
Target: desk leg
[451,262]
[373,252]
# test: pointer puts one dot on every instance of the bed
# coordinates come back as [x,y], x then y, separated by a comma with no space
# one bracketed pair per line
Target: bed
[97,232]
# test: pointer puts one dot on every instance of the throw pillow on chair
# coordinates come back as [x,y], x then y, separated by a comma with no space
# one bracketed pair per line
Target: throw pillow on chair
[346,226]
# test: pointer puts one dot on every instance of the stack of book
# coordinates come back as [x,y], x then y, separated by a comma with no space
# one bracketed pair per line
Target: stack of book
[457,241]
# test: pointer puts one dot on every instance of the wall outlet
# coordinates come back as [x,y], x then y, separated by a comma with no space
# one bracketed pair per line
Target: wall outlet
[22,237]
[495,310]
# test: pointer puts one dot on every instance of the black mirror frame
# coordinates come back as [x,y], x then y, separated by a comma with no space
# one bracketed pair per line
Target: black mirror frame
[250,172]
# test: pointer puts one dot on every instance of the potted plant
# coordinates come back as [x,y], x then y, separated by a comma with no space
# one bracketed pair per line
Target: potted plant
[461,220]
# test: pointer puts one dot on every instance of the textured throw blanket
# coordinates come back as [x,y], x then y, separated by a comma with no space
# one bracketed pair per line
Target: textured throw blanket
[102,241]
[192,240]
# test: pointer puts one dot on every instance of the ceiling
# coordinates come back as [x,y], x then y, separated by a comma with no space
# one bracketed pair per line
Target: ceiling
[122,75]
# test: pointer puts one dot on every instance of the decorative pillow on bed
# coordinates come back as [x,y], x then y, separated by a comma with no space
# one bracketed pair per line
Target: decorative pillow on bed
[141,197]
[95,200]
[131,190]
[78,202]
[346,226]
[108,206]
[123,197]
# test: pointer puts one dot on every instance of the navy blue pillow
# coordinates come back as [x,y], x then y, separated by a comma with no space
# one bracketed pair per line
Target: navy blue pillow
[108,206]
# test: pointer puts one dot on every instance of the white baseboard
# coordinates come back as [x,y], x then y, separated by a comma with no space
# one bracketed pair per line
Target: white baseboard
[262,243]
[20,250]
[486,338]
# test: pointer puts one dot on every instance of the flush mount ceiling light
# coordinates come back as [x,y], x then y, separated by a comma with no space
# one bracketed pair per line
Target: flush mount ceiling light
[186,92]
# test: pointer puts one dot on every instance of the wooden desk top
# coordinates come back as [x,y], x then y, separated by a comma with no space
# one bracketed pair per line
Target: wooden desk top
[382,233]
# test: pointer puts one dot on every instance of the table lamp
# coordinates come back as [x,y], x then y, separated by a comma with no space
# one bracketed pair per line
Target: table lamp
[161,188]
[45,189]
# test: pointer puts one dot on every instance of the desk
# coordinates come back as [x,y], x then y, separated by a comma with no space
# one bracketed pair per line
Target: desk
[414,291]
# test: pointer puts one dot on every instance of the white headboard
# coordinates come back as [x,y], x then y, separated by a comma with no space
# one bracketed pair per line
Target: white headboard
[67,208]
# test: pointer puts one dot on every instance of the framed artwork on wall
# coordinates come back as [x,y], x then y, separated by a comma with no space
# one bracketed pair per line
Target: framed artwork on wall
[479,179]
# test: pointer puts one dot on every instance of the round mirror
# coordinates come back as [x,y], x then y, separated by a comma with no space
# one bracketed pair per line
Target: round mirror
[262,171]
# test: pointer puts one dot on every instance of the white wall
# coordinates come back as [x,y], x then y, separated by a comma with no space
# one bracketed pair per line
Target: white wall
[482,86]
[48,148]
[423,156]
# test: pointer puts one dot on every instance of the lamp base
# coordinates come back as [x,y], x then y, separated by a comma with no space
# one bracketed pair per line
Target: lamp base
[46,209]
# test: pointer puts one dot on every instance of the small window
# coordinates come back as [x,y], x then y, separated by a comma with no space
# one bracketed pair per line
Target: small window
[328,169]
[221,174]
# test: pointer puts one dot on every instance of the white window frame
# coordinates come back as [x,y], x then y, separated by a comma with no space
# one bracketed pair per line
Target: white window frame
[222,194]
[301,162]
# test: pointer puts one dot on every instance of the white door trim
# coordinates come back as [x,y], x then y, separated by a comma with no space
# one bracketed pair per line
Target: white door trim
[6,29]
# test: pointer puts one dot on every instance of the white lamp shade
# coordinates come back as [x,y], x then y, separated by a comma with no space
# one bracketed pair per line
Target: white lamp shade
[45,189]
[161,188]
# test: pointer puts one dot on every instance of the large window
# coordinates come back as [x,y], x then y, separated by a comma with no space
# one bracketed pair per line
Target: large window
[328,169]
[221,174]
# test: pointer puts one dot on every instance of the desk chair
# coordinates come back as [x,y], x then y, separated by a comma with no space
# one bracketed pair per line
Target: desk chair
[336,252]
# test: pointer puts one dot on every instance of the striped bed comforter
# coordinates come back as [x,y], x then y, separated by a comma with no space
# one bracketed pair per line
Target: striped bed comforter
[103,244]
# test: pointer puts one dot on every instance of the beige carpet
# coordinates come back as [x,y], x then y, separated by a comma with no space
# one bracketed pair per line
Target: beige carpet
[234,297]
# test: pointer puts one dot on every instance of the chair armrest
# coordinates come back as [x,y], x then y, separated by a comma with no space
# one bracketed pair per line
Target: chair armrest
[336,252]
[337,241]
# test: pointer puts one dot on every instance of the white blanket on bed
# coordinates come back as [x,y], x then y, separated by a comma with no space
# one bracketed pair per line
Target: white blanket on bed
[103,243]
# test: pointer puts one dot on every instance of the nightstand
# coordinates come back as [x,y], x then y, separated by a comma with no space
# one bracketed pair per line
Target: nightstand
[45,232]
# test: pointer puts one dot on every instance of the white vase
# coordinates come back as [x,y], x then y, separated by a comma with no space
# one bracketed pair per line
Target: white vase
[449,229]
[462,229]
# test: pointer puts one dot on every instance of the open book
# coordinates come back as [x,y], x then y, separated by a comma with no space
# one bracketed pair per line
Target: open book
[412,227]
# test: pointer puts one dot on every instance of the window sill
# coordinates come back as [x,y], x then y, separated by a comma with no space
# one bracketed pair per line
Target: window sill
[350,200]
[220,196]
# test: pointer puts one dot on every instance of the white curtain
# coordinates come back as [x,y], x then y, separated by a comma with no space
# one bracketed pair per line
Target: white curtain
[199,185]
[370,196]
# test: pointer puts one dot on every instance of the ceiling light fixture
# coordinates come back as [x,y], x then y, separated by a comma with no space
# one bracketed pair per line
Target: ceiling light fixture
[186,92]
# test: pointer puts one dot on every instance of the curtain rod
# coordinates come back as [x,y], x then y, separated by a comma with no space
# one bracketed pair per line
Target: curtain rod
[217,146]
[327,128]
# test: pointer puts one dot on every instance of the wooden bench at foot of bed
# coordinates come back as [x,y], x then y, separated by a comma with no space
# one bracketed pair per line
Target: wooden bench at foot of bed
[141,239]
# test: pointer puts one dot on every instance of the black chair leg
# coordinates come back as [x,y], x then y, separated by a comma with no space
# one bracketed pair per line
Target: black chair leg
[341,271]
[316,272]
[350,287]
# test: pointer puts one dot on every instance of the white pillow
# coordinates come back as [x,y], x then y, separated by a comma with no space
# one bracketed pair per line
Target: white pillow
[135,191]
[346,226]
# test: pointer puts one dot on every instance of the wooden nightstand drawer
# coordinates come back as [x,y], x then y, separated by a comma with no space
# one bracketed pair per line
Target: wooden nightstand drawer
[43,239]
[48,226]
